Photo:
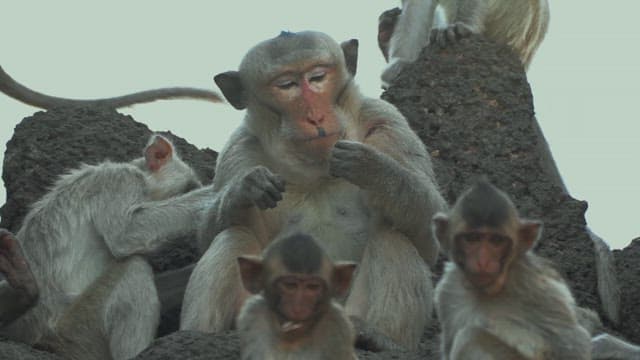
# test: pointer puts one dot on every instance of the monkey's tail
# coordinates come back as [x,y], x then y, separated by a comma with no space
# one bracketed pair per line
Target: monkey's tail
[22,93]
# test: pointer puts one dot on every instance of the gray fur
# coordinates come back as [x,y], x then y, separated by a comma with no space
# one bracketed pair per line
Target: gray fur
[364,200]
[521,24]
[93,219]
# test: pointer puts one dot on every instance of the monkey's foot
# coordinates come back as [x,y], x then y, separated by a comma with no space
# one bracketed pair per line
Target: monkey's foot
[392,71]
[370,339]
[450,35]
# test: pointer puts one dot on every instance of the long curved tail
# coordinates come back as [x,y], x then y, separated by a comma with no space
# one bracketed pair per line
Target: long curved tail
[23,94]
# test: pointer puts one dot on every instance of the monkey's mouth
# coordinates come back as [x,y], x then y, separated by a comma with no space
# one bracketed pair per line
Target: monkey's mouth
[288,326]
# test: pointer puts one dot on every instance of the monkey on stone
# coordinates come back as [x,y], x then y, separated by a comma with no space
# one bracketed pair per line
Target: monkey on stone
[497,299]
[23,94]
[315,156]
[293,315]
[520,24]
[85,241]
[19,291]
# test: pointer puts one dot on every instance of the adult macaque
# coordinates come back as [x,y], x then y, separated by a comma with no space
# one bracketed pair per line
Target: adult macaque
[521,24]
[293,315]
[85,240]
[19,291]
[496,299]
[314,156]
[22,93]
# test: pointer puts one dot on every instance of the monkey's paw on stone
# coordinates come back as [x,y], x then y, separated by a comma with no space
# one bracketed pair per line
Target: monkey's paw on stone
[392,71]
[450,34]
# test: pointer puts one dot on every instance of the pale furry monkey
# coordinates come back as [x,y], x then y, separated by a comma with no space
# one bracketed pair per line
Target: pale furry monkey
[292,316]
[84,240]
[497,299]
[357,178]
[521,24]
[22,93]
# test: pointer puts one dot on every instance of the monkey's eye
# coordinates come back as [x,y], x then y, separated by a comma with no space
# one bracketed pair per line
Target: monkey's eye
[315,287]
[285,84]
[471,237]
[289,285]
[317,76]
[498,240]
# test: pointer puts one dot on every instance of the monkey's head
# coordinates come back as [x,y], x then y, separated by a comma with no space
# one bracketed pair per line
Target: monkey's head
[483,234]
[297,279]
[292,86]
[167,174]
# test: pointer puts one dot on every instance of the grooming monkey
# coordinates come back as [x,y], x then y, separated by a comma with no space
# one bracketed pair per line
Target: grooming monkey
[85,240]
[19,291]
[315,156]
[521,24]
[22,93]
[497,299]
[293,315]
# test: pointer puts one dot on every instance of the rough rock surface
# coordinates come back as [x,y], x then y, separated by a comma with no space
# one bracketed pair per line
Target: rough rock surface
[471,105]
[628,266]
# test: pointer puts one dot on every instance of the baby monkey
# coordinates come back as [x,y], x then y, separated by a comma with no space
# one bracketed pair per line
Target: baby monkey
[497,299]
[292,314]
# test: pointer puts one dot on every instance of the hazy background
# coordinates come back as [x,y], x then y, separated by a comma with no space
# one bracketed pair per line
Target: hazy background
[584,78]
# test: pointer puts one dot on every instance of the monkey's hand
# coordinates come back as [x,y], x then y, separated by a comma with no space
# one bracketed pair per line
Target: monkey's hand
[359,163]
[259,187]
[392,71]
[13,264]
[450,35]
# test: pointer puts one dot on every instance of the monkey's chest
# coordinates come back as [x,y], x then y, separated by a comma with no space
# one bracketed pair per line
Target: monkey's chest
[336,216]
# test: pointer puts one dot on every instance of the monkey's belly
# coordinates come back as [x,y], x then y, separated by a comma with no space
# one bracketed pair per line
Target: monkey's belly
[337,218]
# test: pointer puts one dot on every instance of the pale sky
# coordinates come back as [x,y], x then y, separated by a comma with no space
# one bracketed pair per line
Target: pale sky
[584,78]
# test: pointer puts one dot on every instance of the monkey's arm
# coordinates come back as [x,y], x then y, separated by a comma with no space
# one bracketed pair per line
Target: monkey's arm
[144,227]
[243,186]
[15,301]
[23,94]
[394,168]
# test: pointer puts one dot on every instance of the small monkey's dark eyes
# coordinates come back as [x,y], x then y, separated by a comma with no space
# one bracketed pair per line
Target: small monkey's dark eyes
[497,240]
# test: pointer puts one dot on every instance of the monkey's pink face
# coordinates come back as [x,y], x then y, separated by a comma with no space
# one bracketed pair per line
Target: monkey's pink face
[300,296]
[306,96]
[484,254]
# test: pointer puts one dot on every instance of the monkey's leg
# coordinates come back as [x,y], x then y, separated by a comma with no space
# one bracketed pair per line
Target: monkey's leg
[215,293]
[171,286]
[605,346]
[131,311]
[392,289]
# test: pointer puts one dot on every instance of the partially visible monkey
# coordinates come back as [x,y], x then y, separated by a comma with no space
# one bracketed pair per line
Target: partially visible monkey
[521,24]
[85,240]
[498,300]
[293,315]
[315,156]
[19,291]
[22,93]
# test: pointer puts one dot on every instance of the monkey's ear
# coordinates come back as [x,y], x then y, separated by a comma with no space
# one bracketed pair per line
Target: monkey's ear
[529,233]
[350,50]
[231,86]
[158,152]
[440,229]
[342,276]
[251,272]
